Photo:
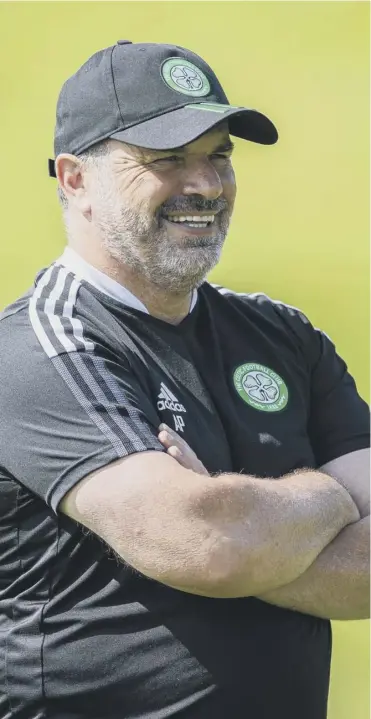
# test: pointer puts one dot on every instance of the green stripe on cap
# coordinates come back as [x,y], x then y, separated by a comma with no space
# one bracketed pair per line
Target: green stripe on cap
[211,107]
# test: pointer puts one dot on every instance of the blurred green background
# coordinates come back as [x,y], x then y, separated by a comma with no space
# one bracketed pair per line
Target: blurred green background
[300,231]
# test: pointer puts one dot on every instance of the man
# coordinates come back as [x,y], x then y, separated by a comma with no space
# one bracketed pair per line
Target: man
[143,575]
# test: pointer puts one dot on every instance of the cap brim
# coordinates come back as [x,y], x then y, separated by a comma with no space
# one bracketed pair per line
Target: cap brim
[181,126]
[185,124]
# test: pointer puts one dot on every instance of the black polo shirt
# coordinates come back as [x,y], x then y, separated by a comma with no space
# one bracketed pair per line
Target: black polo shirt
[253,387]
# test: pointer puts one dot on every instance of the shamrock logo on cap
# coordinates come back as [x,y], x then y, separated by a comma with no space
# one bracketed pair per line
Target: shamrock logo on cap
[182,76]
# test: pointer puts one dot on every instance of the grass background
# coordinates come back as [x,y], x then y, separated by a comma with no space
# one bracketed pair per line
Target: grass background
[301,226]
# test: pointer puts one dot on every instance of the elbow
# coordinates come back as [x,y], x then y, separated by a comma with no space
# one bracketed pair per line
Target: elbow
[351,614]
[210,578]
[360,607]
[213,574]
[230,572]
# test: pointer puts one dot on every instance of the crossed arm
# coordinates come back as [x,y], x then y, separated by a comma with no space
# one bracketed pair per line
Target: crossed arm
[337,584]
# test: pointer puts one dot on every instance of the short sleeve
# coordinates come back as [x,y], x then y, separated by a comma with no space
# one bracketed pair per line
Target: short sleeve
[64,418]
[339,420]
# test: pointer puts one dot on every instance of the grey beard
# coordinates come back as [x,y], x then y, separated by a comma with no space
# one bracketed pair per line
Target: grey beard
[184,270]
[177,267]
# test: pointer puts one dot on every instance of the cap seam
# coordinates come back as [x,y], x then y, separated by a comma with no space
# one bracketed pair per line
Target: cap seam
[114,85]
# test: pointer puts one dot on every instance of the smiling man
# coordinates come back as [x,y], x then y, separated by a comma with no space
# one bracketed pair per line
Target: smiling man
[160,218]
[150,573]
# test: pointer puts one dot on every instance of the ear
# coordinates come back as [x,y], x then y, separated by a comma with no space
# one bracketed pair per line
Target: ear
[72,180]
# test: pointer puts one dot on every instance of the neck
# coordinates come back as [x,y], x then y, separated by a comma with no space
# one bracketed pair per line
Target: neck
[167,306]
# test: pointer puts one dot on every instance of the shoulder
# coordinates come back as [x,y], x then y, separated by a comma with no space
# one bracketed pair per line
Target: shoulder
[262,303]
[272,315]
[47,316]
[14,324]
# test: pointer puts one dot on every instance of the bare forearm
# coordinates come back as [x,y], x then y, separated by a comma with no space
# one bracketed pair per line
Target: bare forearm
[337,584]
[352,471]
[273,530]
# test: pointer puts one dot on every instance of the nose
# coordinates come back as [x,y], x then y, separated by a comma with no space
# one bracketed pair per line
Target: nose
[201,178]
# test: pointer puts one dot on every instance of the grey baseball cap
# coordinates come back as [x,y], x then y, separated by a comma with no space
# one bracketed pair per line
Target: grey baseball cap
[155,96]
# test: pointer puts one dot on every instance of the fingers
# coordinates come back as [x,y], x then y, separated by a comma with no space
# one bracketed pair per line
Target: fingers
[173,445]
[165,428]
[178,448]
[169,438]
[175,452]
[180,457]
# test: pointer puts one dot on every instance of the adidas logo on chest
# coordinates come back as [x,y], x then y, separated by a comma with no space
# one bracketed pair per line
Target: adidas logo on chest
[167,400]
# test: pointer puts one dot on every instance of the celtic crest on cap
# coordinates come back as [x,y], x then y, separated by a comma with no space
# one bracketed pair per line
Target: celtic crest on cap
[185,77]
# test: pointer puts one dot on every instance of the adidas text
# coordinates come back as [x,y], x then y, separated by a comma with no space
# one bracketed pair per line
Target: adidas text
[172,406]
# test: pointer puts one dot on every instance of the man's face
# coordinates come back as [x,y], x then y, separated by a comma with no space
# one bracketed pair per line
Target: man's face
[166,214]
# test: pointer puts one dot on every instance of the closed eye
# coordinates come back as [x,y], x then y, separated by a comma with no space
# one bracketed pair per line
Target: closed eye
[222,155]
[169,158]
[173,159]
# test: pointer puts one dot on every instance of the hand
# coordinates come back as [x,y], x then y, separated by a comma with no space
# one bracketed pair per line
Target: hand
[179,449]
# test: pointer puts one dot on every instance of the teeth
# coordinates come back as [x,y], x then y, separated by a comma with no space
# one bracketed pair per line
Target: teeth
[203,219]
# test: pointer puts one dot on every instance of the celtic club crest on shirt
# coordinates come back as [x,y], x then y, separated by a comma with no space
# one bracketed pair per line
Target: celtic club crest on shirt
[260,387]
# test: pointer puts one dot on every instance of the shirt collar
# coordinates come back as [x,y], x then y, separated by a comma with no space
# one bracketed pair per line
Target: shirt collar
[84,271]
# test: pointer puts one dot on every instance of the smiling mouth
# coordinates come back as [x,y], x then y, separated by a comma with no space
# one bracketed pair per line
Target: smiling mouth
[196,221]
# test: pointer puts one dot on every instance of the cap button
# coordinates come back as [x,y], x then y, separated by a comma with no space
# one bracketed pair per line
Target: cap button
[124,42]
